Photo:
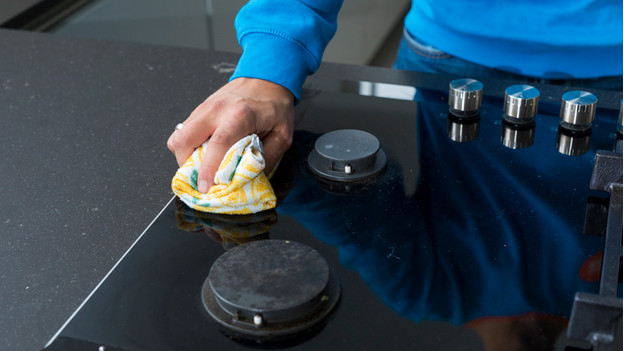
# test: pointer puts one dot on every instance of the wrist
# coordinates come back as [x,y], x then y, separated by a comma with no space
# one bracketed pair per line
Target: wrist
[265,89]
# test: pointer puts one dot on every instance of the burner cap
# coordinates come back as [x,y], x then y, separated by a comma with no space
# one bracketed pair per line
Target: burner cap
[347,155]
[270,290]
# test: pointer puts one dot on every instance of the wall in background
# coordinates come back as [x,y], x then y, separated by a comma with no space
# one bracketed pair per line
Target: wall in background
[363,25]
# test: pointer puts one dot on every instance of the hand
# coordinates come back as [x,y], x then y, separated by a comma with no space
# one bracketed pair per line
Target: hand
[241,107]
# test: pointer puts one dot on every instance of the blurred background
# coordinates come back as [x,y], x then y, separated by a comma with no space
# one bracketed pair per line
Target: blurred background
[369,31]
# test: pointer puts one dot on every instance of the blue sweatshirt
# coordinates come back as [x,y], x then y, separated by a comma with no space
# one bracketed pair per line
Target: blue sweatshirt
[283,41]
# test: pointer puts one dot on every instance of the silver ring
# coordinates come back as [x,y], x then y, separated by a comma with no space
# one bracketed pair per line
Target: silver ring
[179,126]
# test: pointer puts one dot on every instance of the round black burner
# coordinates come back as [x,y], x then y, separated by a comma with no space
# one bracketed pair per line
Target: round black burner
[347,155]
[269,290]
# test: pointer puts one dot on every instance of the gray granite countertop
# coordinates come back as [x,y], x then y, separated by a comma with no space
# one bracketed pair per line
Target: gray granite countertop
[83,164]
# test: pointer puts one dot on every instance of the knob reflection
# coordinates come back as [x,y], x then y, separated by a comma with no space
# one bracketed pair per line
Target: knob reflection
[573,143]
[462,129]
[517,136]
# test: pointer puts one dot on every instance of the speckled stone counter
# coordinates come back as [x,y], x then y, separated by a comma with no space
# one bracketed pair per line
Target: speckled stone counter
[83,164]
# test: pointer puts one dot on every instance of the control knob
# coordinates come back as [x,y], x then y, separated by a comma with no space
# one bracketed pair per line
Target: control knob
[578,109]
[520,104]
[465,97]
[347,155]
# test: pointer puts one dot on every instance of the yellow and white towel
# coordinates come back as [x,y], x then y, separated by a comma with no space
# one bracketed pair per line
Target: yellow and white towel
[240,184]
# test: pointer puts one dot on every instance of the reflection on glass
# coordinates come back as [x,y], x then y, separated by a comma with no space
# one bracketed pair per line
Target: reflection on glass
[229,230]
[517,136]
[619,125]
[617,144]
[462,129]
[490,239]
[344,188]
[472,247]
[385,90]
[573,143]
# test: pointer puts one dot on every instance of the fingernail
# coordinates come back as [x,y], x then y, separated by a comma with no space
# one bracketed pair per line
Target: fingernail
[202,186]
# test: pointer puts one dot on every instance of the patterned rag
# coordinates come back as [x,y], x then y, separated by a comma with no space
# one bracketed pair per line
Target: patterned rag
[240,184]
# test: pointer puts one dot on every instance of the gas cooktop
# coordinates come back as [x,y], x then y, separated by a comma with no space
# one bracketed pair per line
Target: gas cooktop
[407,218]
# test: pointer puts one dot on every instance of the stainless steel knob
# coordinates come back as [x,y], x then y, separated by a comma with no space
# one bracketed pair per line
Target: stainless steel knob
[520,103]
[465,96]
[578,109]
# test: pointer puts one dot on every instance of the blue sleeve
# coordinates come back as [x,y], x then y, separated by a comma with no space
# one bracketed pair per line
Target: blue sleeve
[283,41]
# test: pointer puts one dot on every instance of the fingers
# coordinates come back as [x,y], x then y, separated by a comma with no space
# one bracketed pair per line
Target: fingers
[180,152]
[194,133]
[233,128]
[243,106]
[196,130]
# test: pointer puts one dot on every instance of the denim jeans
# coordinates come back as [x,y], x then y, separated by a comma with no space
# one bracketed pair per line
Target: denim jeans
[415,55]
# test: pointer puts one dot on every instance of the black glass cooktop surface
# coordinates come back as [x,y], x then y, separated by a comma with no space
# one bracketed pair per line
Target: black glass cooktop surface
[471,236]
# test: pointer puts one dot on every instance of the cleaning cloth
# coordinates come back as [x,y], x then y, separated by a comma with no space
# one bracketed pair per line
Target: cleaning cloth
[241,187]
